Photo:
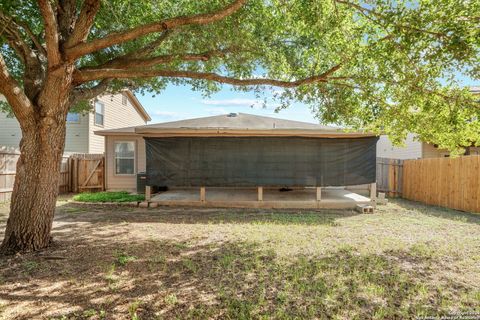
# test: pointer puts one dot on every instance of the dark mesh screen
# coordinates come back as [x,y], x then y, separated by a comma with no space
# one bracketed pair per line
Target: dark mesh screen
[260,161]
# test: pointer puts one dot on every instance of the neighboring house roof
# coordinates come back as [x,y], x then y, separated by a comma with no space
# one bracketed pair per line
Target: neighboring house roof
[138,106]
[235,124]
[475,89]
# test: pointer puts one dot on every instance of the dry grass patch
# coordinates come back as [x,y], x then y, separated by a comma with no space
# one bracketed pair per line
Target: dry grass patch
[119,263]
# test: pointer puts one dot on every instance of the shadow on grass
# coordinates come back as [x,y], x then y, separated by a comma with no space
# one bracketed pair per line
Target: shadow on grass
[117,278]
[438,212]
[98,213]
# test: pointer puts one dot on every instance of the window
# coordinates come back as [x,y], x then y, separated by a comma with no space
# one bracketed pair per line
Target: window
[73,117]
[99,113]
[125,157]
[124,99]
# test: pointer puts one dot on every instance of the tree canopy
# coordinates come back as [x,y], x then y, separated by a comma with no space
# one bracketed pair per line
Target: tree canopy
[387,66]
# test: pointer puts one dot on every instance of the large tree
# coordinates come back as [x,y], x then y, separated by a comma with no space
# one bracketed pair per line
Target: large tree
[386,66]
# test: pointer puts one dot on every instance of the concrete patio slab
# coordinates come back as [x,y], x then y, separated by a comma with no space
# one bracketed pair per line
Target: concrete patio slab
[337,198]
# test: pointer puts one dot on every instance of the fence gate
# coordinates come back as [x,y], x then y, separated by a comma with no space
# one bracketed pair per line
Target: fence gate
[87,172]
[390,176]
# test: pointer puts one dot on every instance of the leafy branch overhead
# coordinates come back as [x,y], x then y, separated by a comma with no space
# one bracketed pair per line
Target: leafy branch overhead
[386,66]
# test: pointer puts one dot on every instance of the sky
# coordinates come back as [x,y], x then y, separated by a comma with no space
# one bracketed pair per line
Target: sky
[180,102]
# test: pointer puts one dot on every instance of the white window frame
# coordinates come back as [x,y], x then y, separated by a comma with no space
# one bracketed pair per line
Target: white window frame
[115,158]
[124,99]
[68,121]
[95,114]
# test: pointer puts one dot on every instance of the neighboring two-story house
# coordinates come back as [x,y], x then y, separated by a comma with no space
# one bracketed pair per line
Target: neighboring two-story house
[415,149]
[111,111]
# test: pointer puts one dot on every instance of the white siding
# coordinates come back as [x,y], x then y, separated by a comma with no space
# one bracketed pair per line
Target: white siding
[80,136]
[123,182]
[411,150]
[116,116]
[76,139]
[10,133]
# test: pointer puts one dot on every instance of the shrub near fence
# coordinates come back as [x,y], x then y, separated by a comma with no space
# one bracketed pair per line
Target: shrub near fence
[447,182]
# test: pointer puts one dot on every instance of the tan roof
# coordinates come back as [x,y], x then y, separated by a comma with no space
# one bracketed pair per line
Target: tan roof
[234,124]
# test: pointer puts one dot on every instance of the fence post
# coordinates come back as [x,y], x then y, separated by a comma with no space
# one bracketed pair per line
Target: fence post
[373,192]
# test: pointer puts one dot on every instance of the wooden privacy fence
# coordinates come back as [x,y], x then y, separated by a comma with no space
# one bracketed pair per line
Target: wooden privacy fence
[8,164]
[87,172]
[390,176]
[78,172]
[448,182]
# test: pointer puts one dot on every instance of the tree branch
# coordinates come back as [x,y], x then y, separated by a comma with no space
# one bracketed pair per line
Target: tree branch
[121,63]
[31,60]
[21,105]
[14,37]
[82,49]
[90,75]
[84,23]
[149,48]
[81,94]
[32,37]
[66,16]
[51,33]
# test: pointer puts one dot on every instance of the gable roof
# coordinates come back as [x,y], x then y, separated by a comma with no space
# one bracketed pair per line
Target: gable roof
[236,121]
[138,106]
[235,124]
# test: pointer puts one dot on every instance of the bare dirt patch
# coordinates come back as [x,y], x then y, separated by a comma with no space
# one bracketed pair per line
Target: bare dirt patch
[129,263]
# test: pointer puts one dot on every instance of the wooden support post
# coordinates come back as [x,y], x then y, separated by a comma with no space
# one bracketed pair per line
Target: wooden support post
[373,191]
[319,194]
[148,193]
[260,193]
[202,194]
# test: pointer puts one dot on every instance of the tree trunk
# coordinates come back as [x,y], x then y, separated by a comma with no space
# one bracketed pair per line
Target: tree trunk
[35,190]
[36,183]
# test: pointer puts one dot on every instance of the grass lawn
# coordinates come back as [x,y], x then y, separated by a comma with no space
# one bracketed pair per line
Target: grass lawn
[405,260]
[120,196]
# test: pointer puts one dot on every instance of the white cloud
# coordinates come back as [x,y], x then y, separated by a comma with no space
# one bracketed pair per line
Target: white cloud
[234,103]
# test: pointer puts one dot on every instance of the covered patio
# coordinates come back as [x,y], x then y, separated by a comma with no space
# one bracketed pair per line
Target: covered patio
[308,198]
[241,160]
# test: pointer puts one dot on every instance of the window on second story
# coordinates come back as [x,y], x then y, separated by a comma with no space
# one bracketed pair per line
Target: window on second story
[124,99]
[99,113]
[73,117]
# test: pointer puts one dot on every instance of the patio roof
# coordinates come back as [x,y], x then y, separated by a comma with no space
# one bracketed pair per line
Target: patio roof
[235,124]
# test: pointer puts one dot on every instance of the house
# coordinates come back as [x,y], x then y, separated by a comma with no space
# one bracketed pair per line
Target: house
[415,149]
[238,151]
[110,111]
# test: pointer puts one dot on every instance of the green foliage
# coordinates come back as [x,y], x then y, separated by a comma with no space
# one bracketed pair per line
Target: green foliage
[399,59]
[81,107]
[5,108]
[119,196]
[133,308]
[30,266]
[171,299]
[122,258]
